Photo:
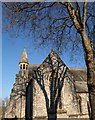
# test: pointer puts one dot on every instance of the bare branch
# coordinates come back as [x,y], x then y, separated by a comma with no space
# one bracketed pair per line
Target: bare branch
[73,16]
[90,14]
[84,15]
[77,12]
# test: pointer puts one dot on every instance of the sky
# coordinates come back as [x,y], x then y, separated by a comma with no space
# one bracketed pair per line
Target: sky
[0,49]
[12,48]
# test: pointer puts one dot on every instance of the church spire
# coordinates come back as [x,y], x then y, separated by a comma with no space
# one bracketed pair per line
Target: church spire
[24,58]
[23,64]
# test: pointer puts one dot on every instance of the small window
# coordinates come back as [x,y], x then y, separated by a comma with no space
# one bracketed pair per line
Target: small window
[26,67]
[89,108]
[23,66]
[80,104]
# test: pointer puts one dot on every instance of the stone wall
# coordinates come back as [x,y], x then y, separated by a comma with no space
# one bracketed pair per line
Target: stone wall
[16,107]
[39,104]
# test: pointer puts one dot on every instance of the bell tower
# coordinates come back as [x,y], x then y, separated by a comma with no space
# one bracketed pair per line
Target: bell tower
[23,64]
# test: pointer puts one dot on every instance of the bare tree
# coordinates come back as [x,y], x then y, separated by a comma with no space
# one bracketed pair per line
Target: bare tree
[0,107]
[3,105]
[61,24]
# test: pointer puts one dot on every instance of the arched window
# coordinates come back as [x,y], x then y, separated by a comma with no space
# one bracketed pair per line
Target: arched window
[80,104]
[89,108]
[23,66]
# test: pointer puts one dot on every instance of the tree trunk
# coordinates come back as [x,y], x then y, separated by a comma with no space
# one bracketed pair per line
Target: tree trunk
[52,114]
[89,59]
[91,89]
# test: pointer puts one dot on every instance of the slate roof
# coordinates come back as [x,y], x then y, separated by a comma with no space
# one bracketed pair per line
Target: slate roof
[79,73]
[81,86]
[80,76]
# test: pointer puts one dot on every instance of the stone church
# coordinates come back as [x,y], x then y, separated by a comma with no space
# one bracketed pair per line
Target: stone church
[31,92]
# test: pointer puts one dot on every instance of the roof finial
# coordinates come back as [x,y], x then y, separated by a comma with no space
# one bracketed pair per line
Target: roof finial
[52,50]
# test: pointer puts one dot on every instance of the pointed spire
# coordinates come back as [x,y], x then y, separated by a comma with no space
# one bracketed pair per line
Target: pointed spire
[24,58]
